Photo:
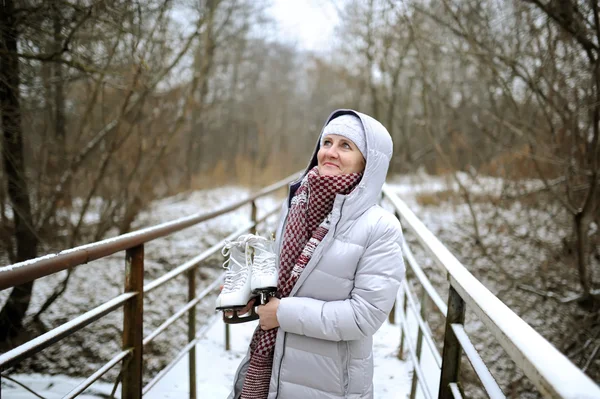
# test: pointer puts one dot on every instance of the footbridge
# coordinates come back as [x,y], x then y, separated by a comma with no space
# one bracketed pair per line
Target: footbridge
[437,363]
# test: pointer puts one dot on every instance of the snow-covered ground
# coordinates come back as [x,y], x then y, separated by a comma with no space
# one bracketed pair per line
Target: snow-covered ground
[215,366]
[449,220]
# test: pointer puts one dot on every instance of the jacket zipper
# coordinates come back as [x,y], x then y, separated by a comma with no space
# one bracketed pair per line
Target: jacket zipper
[346,373]
[279,254]
[285,334]
[280,363]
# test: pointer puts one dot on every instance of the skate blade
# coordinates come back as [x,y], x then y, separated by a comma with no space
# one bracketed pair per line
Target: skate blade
[230,308]
[235,318]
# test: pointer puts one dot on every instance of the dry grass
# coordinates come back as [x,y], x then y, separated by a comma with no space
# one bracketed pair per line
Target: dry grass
[438,197]
[456,198]
[244,172]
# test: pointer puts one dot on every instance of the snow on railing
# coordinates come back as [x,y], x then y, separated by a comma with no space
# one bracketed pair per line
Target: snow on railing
[549,370]
[132,299]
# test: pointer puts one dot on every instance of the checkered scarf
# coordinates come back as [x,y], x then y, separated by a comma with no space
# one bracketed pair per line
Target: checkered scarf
[307,224]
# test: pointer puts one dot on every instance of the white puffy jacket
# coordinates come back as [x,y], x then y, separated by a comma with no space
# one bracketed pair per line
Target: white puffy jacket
[324,343]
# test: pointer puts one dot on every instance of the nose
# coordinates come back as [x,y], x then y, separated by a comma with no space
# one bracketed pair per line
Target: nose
[332,152]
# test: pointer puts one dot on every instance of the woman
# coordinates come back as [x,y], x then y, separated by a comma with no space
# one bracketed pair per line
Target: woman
[340,266]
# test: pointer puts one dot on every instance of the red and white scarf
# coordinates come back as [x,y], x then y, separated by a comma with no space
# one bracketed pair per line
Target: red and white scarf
[307,224]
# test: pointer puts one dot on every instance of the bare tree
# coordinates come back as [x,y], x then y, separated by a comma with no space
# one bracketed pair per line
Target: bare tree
[472,89]
[11,316]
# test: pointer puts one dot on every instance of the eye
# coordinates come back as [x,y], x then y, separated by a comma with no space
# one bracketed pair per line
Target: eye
[326,142]
[346,146]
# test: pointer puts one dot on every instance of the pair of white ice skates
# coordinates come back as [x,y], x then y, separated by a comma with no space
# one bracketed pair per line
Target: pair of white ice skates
[247,277]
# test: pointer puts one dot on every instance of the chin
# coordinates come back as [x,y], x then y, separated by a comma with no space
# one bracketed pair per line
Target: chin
[329,171]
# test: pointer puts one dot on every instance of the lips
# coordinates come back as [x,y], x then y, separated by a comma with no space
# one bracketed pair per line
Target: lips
[330,164]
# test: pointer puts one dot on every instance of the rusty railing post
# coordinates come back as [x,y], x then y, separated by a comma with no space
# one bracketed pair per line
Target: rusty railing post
[402,335]
[392,316]
[192,331]
[133,329]
[423,300]
[253,217]
[401,351]
[452,349]
[227,338]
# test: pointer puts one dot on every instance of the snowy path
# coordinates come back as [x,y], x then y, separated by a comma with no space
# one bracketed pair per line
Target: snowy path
[216,367]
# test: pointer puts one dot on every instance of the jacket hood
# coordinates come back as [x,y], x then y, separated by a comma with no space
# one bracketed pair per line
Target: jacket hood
[379,148]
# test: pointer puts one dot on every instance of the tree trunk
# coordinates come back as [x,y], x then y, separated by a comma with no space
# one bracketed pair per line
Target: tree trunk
[371,61]
[11,316]
[57,77]
[197,151]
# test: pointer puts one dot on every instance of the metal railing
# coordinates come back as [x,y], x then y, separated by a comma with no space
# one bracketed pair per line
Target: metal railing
[550,371]
[131,356]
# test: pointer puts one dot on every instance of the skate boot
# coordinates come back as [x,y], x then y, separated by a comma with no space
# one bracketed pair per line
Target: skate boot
[236,290]
[263,280]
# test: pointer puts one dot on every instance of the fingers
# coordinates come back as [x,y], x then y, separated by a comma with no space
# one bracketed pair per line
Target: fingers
[260,310]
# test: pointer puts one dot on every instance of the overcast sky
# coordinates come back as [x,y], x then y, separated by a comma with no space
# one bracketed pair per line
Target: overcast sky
[308,23]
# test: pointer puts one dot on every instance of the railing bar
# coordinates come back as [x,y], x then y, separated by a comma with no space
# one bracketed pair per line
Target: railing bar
[424,328]
[168,368]
[455,390]
[96,376]
[22,272]
[183,310]
[38,344]
[266,216]
[275,186]
[193,262]
[182,353]
[486,378]
[191,333]
[204,255]
[546,367]
[170,321]
[413,357]
[19,383]
[212,286]
[43,341]
[435,297]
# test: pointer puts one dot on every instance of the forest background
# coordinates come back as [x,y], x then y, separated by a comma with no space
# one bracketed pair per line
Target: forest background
[107,105]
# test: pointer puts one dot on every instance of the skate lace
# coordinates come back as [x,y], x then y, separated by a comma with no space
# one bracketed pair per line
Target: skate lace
[264,258]
[235,277]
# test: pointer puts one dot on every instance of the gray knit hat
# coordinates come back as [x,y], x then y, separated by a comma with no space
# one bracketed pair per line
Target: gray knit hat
[350,127]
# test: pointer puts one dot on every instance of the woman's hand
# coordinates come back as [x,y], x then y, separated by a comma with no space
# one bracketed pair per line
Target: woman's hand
[268,314]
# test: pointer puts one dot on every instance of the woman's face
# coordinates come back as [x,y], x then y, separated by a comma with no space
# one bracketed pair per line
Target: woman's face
[339,156]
